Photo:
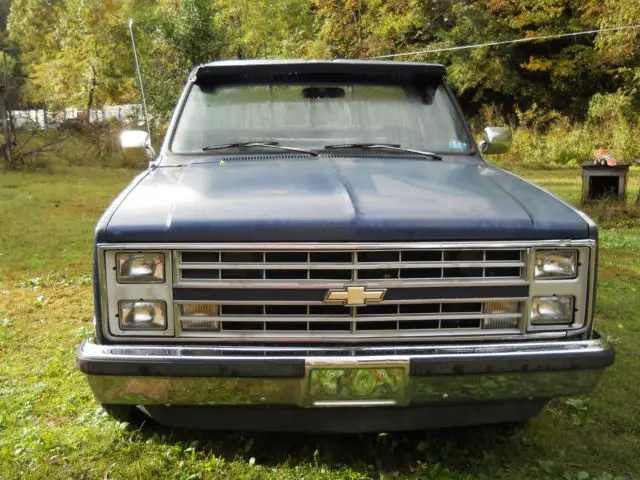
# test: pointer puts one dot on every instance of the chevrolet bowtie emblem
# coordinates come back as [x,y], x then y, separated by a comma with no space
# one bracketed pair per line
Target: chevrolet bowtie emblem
[355,296]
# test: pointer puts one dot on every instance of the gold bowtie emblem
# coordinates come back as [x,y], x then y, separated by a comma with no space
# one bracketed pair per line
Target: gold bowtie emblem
[354,296]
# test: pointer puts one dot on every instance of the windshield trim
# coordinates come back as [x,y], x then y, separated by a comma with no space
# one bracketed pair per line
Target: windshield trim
[167,152]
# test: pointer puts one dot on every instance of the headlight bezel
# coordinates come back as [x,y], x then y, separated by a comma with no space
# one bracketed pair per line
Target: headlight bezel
[113,291]
[580,286]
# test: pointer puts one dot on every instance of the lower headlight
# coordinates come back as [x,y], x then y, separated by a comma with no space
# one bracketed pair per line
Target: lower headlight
[143,315]
[552,310]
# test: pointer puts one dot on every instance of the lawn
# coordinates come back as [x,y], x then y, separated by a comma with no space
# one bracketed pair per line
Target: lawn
[51,427]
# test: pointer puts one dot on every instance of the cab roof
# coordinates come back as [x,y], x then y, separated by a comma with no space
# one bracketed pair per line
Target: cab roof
[252,71]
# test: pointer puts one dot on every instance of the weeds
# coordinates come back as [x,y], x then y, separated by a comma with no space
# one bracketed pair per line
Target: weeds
[548,140]
[614,215]
[72,144]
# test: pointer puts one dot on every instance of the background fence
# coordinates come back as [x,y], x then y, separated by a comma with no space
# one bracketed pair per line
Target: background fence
[43,118]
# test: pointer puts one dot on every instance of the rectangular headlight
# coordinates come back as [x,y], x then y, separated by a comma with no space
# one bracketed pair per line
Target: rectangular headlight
[139,267]
[552,310]
[142,315]
[556,264]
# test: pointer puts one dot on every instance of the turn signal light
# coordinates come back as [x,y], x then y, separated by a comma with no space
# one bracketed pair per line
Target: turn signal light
[200,309]
[499,308]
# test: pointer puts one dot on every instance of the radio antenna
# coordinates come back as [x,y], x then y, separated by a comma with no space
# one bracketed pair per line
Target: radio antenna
[135,57]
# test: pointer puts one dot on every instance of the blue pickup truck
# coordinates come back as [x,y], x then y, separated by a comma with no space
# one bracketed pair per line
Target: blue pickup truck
[319,246]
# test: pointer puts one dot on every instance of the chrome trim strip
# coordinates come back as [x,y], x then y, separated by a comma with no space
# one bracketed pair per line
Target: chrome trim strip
[324,284]
[347,338]
[344,266]
[344,318]
[254,336]
[486,245]
[355,403]
[354,355]
[383,302]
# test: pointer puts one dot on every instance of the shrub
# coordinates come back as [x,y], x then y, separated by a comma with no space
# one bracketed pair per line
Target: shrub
[613,118]
[546,139]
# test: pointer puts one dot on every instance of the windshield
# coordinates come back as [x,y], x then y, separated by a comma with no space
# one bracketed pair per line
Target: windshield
[312,116]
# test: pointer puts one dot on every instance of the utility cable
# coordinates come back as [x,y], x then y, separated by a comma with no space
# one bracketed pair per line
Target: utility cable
[508,42]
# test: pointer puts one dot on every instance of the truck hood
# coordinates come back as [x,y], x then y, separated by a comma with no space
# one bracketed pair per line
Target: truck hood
[336,199]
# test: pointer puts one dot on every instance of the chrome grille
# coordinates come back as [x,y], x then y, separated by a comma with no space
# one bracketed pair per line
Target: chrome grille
[488,273]
[258,277]
[341,266]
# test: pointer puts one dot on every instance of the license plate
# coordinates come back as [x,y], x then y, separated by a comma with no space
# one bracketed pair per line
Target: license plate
[335,385]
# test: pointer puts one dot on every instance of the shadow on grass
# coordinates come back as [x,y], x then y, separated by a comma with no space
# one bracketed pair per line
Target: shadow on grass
[462,450]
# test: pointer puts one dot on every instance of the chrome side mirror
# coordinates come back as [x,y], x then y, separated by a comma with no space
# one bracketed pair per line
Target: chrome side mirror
[135,144]
[495,140]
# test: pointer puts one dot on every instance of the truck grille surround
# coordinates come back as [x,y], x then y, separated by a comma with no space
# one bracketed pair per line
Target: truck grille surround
[400,293]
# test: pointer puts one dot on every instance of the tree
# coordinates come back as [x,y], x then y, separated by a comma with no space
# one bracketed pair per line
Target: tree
[75,52]
[362,28]
[554,74]
[265,29]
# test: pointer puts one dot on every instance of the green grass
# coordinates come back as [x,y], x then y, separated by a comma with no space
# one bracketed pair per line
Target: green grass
[51,427]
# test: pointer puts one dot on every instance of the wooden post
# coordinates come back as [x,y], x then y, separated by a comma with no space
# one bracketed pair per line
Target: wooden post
[8,148]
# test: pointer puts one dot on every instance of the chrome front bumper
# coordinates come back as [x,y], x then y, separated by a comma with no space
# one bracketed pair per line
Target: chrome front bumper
[281,376]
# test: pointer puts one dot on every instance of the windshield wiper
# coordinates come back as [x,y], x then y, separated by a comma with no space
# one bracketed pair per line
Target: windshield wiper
[383,146]
[275,145]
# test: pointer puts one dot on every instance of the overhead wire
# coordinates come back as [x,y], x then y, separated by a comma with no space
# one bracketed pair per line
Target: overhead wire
[508,42]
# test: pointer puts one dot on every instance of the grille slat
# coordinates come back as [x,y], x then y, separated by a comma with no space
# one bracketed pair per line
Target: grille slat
[360,266]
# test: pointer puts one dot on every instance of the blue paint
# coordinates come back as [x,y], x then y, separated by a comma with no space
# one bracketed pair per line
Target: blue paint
[284,198]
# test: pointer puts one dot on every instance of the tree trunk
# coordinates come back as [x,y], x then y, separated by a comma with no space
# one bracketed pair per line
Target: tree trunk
[89,104]
[8,153]
[92,89]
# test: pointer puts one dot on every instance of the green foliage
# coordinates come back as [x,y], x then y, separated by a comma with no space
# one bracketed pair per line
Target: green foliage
[562,146]
[72,145]
[190,28]
[614,117]
[77,52]
[278,28]
[172,38]
[547,139]
[354,28]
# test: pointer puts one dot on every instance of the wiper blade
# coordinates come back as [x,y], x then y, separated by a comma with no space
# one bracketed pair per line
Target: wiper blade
[275,145]
[384,146]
